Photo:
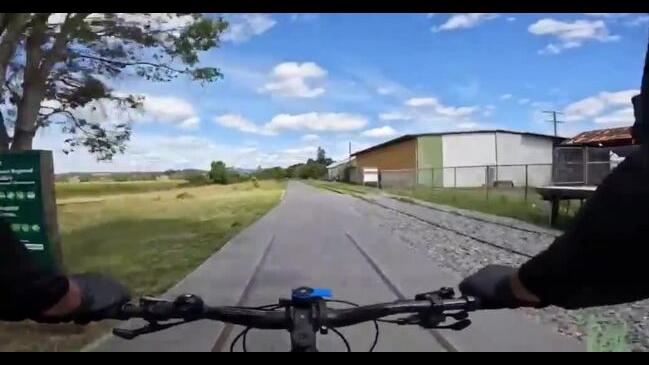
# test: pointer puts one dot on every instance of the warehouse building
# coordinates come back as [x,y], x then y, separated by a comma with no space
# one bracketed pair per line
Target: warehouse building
[340,170]
[462,159]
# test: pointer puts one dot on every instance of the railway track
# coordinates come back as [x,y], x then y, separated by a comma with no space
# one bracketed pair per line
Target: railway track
[456,231]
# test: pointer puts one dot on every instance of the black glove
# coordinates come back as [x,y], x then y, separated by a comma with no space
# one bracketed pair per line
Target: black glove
[491,286]
[101,298]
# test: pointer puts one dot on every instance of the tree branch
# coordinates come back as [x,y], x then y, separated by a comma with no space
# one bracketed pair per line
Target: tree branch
[125,64]
[13,92]
[13,27]
[57,52]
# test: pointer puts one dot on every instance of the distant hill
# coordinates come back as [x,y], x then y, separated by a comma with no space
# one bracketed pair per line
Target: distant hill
[128,175]
[243,170]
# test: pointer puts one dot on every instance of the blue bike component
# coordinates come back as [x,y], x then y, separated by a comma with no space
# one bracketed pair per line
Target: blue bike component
[306,293]
[321,293]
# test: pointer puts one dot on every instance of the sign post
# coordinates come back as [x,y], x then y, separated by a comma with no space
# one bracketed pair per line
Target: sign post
[28,204]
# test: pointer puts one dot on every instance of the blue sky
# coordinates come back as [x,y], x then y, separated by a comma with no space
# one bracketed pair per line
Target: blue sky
[297,81]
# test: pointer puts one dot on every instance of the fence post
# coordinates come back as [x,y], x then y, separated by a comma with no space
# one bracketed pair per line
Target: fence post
[455,177]
[585,166]
[526,183]
[486,180]
[432,177]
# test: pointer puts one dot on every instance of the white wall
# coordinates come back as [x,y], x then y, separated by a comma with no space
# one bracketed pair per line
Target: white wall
[469,149]
[481,149]
[518,149]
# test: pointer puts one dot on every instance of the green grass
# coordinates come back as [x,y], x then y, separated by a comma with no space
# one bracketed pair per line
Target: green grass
[603,335]
[65,190]
[507,202]
[149,241]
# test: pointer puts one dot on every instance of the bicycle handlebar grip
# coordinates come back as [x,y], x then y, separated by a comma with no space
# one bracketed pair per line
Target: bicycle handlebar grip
[128,311]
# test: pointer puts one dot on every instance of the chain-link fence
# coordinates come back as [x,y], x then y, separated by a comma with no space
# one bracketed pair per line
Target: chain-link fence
[585,165]
[512,179]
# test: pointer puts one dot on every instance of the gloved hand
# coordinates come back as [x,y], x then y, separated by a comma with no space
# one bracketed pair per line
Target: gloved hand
[491,285]
[101,297]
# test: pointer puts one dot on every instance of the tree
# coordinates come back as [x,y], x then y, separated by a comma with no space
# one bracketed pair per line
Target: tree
[54,65]
[292,171]
[321,157]
[218,173]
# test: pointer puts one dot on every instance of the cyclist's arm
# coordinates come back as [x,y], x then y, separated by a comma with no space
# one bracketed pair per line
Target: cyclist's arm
[601,258]
[26,291]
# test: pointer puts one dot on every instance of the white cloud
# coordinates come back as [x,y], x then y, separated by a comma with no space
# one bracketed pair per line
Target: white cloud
[605,107]
[621,116]
[157,152]
[571,34]
[488,110]
[155,109]
[190,123]
[242,27]
[300,150]
[385,90]
[170,109]
[303,17]
[435,106]
[505,96]
[419,102]
[607,15]
[381,132]
[317,122]
[464,20]
[289,79]
[310,137]
[394,116]
[240,123]
[523,101]
[430,15]
[468,125]
[510,18]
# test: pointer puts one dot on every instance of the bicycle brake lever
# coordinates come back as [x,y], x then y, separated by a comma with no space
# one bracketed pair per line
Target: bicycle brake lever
[150,327]
[457,326]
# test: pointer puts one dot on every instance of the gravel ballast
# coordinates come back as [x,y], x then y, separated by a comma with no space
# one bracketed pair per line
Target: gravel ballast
[464,242]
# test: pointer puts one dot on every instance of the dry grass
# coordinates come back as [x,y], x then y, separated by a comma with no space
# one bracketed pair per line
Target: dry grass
[147,240]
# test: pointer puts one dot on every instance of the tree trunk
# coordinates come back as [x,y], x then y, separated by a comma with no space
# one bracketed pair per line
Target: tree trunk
[4,136]
[28,107]
[33,90]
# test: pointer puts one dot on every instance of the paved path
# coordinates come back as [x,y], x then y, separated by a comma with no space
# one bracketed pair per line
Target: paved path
[320,238]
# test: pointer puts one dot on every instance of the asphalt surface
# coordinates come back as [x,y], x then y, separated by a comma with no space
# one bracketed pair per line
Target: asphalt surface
[322,239]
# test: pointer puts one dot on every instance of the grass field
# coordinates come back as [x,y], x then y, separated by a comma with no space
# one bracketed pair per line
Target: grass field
[65,190]
[502,201]
[148,240]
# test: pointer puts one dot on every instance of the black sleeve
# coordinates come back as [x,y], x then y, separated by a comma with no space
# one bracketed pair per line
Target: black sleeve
[25,290]
[603,257]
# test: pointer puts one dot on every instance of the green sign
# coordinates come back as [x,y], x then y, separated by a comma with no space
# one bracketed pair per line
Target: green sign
[27,203]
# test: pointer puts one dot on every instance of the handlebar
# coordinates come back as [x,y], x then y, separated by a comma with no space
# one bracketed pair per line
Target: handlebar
[430,308]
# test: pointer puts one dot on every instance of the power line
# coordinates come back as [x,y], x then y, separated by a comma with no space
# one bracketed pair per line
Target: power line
[554,119]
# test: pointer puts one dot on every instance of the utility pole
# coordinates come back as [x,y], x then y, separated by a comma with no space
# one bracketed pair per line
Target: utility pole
[350,151]
[554,119]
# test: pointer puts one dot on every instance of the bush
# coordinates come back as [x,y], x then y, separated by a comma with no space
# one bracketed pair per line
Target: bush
[218,173]
[255,183]
[312,170]
[197,180]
